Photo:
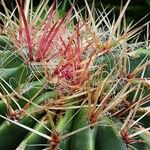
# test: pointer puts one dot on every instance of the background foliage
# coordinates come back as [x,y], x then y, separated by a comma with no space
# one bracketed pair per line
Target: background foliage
[136,10]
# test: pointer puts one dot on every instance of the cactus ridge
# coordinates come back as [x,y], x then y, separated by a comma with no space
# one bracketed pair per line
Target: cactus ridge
[69,82]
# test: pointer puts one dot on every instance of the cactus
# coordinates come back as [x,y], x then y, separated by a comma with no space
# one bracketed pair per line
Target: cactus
[69,82]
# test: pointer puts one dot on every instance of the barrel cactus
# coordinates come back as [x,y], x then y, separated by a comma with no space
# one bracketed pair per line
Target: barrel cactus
[72,82]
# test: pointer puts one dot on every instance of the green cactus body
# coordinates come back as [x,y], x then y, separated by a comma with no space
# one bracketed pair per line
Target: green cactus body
[72,83]
[33,141]
[84,140]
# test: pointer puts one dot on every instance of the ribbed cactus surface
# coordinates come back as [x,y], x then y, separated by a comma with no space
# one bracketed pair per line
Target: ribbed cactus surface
[72,82]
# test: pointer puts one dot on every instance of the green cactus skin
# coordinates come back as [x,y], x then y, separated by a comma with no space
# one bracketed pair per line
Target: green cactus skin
[100,137]
[84,140]
[25,83]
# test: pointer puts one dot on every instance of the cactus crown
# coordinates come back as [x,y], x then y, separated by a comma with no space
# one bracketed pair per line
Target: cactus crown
[70,82]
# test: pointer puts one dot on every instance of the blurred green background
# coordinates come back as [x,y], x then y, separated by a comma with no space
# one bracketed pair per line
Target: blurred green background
[136,10]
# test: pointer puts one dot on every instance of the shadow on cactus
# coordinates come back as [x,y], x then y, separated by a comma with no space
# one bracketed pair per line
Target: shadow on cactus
[73,82]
